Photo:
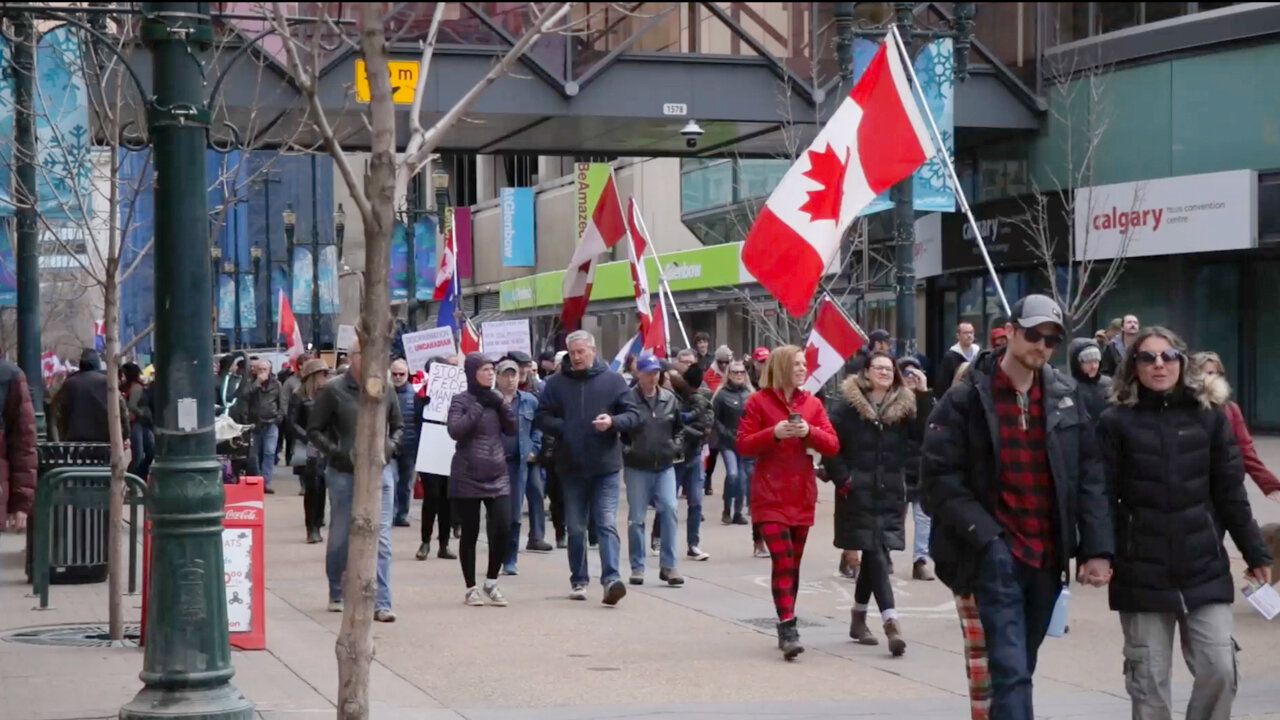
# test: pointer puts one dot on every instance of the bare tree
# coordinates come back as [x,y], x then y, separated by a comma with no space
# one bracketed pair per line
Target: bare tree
[376,200]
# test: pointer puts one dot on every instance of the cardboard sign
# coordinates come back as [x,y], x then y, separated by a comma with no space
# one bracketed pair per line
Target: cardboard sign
[443,382]
[421,346]
[346,337]
[435,449]
[500,337]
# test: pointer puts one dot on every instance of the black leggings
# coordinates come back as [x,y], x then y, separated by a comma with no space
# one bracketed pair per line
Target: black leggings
[873,579]
[557,500]
[313,491]
[435,504]
[498,525]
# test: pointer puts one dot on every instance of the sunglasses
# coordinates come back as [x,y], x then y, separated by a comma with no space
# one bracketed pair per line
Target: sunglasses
[1170,356]
[1051,340]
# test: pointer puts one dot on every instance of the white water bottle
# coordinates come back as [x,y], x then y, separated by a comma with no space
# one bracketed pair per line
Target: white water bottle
[1058,622]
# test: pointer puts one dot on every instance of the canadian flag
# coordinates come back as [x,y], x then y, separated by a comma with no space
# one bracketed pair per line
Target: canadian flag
[604,229]
[874,139]
[470,338]
[49,364]
[288,327]
[446,268]
[654,337]
[833,340]
[635,256]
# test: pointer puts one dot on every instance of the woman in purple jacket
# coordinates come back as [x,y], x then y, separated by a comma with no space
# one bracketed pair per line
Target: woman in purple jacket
[478,476]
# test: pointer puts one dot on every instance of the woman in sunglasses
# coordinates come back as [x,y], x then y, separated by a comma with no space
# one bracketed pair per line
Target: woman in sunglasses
[1211,365]
[1177,484]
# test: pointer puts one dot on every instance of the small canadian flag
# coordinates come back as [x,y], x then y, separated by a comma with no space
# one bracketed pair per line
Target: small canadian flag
[289,329]
[833,340]
[470,338]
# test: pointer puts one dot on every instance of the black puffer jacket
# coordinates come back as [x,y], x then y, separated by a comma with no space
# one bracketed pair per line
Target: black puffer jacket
[1096,390]
[655,443]
[696,406]
[477,421]
[960,480]
[569,404]
[726,408]
[1177,484]
[876,446]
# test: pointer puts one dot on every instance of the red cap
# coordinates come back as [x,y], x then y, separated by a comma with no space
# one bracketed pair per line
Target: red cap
[997,332]
[760,354]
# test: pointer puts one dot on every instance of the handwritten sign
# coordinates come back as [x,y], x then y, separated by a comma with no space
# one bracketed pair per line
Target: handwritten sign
[421,346]
[443,382]
[237,569]
[503,336]
[346,337]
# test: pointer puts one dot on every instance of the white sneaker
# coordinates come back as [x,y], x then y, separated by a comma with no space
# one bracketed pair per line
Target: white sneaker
[696,554]
[494,596]
[384,616]
[473,597]
[579,592]
[335,606]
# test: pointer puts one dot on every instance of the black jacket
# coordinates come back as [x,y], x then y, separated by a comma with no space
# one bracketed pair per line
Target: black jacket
[695,410]
[570,402]
[332,425]
[259,405]
[1095,390]
[655,443]
[82,408]
[960,479]
[876,447]
[951,362]
[726,409]
[1177,482]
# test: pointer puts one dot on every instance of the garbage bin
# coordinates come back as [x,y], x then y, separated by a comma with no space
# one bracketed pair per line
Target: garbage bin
[79,538]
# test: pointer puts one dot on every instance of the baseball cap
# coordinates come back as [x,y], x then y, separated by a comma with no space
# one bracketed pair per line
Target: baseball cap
[648,363]
[506,365]
[760,354]
[879,336]
[724,353]
[1034,310]
[520,356]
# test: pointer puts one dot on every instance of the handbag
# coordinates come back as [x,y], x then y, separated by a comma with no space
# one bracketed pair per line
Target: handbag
[299,457]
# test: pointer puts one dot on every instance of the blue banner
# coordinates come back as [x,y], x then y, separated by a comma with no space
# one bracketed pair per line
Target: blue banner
[8,268]
[303,277]
[398,267]
[226,302]
[248,308]
[6,131]
[517,226]
[424,258]
[329,279]
[62,126]
[279,281]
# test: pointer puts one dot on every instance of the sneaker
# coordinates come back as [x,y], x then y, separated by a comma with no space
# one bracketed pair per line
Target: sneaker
[400,522]
[386,616]
[613,592]
[561,543]
[671,576]
[637,577]
[269,490]
[655,545]
[539,546]
[423,551]
[335,606]
[740,520]
[446,554]
[921,571]
[725,519]
[494,596]
[473,598]
[761,551]
[313,536]
[510,570]
[696,554]
[579,592]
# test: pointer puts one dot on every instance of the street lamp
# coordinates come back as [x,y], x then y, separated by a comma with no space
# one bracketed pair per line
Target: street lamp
[290,223]
[440,183]
[340,228]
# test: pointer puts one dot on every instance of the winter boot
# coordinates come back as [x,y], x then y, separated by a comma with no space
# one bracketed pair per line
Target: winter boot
[893,631]
[789,639]
[859,631]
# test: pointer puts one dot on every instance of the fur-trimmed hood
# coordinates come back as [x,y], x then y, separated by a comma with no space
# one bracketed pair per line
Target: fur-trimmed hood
[1209,393]
[898,405]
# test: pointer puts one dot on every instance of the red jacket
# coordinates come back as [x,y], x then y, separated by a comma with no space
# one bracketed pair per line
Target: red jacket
[1252,463]
[17,445]
[783,489]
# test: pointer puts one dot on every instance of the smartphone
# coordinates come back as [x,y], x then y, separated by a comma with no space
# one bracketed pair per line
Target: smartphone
[794,418]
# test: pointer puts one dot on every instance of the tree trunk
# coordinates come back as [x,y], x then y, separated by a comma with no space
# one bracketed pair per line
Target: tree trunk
[110,315]
[355,641]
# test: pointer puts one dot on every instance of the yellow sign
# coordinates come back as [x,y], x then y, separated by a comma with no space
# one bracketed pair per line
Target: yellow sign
[404,79]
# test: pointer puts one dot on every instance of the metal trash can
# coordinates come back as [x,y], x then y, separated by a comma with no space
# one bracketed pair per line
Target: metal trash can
[79,536]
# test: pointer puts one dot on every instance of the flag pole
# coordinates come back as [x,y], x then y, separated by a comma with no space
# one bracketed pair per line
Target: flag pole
[662,283]
[951,170]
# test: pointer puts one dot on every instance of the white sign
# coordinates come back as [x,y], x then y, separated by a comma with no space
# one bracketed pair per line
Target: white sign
[346,337]
[928,248]
[421,346]
[443,382]
[1170,216]
[435,450]
[237,573]
[500,337]
[675,109]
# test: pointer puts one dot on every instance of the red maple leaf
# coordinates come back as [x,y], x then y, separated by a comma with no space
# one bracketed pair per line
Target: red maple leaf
[827,169]
[811,358]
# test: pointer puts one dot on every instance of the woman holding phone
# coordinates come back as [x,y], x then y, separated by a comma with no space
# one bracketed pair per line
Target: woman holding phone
[779,425]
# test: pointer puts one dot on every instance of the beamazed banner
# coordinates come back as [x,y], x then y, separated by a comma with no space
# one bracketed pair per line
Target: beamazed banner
[589,179]
[424,258]
[62,126]
[248,306]
[303,278]
[328,279]
[518,232]
[398,267]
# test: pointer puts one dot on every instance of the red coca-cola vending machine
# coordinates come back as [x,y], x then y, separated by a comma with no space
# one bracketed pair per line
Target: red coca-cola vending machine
[244,568]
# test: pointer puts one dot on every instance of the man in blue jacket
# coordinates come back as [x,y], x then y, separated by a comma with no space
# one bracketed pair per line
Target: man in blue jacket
[585,407]
[522,448]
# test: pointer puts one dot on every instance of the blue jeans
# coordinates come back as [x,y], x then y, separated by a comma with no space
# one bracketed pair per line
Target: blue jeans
[735,483]
[689,473]
[920,538]
[404,465]
[518,472]
[264,450]
[597,495]
[658,487]
[341,490]
[746,466]
[1015,602]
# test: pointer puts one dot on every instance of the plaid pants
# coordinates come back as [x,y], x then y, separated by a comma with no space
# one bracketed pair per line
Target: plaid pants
[786,547]
[975,657]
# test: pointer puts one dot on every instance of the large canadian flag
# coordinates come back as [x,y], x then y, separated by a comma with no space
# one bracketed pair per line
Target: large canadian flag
[833,340]
[874,139]
[635,256]
[289,329]
[604,229]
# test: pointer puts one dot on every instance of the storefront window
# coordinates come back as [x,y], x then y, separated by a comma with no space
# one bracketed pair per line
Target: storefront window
[1266,345]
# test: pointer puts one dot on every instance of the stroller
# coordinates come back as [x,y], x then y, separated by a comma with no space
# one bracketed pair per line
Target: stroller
[234,444]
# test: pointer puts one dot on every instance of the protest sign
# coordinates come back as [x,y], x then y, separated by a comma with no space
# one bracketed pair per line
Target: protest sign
[346,337]
[502,336]
[443,383]
[421,346]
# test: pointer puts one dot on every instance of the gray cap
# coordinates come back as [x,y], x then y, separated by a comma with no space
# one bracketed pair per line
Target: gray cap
[506,365]
[1034,310]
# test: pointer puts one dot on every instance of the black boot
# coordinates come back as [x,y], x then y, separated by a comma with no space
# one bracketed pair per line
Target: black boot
[789,639]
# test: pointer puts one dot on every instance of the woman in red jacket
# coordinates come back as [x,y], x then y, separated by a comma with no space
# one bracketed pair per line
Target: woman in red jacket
[1211,365]
[779,425]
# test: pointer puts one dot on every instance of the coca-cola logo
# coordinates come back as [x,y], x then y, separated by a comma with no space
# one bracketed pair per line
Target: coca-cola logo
[250,511]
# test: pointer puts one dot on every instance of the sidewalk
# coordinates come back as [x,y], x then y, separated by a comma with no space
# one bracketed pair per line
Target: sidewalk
[704,650]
